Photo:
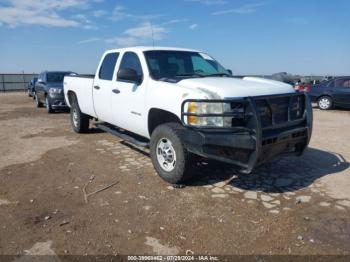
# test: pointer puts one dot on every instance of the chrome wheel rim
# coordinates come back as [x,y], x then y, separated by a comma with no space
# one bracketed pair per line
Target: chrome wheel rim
[75,117]
[324,103]
[47,103]
[166,155]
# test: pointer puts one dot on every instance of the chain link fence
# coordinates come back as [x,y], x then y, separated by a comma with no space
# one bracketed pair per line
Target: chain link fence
[14,82]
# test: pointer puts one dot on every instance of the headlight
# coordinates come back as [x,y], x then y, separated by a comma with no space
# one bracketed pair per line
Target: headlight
[207,108]
[54,90]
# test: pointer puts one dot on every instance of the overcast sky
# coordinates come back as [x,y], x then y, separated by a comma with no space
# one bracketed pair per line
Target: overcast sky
[249,37]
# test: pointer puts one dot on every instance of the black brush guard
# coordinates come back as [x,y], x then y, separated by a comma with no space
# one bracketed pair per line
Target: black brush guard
[270,128]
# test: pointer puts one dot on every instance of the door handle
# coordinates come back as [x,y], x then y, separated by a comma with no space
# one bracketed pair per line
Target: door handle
[97,87]
[116,91]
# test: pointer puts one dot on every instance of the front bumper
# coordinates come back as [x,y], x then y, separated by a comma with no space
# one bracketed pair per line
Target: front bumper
[58,102]
[253,144]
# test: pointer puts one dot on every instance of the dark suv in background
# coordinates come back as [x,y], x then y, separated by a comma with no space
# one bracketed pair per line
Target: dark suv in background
[31,86]
[332,93]
[49,90]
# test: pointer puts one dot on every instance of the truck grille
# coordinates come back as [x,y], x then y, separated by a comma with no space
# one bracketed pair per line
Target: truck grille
[277,111]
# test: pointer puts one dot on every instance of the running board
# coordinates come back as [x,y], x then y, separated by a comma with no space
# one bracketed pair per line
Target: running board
[122,134]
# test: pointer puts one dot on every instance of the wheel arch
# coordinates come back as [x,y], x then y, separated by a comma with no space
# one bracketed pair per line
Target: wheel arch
[72,97]
[157,116]
[323,95]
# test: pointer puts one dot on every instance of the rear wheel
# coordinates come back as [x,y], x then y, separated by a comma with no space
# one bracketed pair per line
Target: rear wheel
[325,103]
[79,120]
[37,101]
[170,158]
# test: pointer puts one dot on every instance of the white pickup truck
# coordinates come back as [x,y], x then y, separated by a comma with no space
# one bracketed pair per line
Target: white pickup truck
[182,103]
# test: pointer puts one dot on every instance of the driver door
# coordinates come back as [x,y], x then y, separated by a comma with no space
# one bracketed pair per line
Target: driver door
[128,98]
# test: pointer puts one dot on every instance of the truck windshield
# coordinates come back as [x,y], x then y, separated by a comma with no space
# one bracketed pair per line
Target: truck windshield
[56,77]
[182,64]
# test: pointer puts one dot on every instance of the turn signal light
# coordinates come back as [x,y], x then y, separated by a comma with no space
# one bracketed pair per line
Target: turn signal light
[192,108]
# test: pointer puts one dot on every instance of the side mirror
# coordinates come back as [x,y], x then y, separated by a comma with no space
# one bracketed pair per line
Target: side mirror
[128,75]
[229,71]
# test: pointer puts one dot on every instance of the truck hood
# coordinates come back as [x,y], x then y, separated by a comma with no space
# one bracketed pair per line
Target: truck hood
[224,87]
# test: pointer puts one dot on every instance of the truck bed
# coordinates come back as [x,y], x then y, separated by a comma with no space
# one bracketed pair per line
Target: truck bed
[81,85]
[83,76]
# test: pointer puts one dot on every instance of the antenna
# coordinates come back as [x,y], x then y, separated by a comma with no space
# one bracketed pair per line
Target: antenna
[152,34]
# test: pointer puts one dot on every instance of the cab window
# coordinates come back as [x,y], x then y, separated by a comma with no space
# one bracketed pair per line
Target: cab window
[108,66]
[131,61]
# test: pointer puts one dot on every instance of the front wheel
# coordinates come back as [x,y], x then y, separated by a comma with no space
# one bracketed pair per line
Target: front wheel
[79,121]
[325,103]
[37,101]
[170,158]
[48,105]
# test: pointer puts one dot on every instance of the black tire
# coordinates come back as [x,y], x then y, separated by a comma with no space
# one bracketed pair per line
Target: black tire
[182,167]
[48,106]
[325,103]
[37,101]
[79,121]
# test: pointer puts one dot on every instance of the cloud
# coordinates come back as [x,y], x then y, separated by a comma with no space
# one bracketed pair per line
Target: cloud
[193,26]
[90,40]
[123,41]
[99,13]
[146,31]
[140,34]
[209,2]
[44,12]
[175,21]
[84,21]
[120,13]
[243,10]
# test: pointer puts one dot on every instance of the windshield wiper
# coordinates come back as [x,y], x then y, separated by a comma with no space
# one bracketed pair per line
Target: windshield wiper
[189,75]
[218,74]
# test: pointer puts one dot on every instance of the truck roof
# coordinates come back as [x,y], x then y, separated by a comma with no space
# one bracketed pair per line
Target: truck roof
[152,48]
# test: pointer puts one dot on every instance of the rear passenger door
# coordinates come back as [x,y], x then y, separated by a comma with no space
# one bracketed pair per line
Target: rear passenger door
[342,91]
[103,85]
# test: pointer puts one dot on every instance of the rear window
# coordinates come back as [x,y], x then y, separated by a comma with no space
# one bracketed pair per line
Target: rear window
[108,66]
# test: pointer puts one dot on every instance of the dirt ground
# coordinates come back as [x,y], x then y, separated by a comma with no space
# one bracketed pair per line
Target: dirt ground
[290,206]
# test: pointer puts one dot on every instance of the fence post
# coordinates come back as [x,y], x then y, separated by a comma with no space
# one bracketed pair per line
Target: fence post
[24,81]
[3,82]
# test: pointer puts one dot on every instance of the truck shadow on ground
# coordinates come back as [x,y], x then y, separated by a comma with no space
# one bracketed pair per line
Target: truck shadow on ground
[94,130]
[341,109]
[285,174]
[334,109]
